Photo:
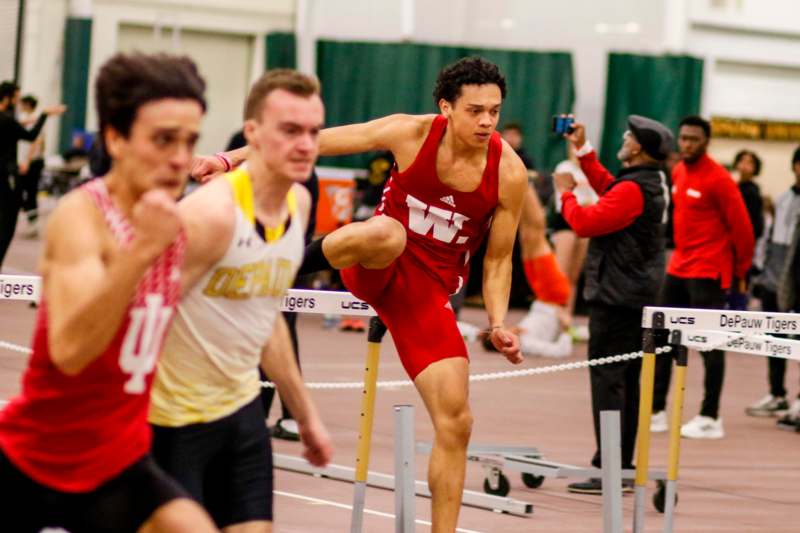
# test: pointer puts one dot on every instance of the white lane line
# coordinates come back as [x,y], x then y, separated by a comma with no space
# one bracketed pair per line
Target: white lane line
[350,507]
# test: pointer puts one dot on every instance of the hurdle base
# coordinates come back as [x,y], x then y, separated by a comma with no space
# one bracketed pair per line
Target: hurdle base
[470,498]
[528,460]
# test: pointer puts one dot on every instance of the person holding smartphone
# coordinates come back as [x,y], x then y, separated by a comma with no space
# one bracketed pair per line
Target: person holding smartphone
[624,266]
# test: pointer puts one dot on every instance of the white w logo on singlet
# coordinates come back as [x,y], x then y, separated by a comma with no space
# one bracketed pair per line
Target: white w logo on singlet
[446,224]
[142,341]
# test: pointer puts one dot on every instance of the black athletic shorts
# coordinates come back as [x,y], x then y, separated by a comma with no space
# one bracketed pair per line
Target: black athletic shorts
[226,465]
[120,505]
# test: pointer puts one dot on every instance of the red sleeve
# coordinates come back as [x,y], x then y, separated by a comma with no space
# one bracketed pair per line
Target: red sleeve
[735,217]
[599,176]
[615,210]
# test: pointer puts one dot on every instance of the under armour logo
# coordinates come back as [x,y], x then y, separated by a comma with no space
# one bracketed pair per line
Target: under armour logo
[244,242]
[448,200]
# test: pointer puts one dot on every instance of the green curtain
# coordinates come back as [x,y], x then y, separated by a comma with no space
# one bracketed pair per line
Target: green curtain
[363,81]
[75,78]
[281,50]
[665,88]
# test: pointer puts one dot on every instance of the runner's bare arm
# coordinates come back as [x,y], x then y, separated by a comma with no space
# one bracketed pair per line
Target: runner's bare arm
[393,133]
[88,281]
[278,362]
[206,167]
[387,133]
[497,262]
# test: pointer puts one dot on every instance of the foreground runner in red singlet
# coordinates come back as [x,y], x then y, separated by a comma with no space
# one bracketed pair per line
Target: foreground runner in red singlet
[74,445]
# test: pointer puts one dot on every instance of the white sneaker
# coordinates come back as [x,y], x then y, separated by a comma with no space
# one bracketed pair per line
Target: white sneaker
[659,422]
[769,405]
[542,322]
[559,348]
[703,427]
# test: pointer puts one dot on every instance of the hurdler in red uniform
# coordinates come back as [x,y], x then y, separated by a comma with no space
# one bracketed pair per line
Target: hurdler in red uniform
[444,226]
[74,445]
[455,183]
[713,247]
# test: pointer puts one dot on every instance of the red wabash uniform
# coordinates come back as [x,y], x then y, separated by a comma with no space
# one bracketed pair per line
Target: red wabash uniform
[74,433]
[443,227]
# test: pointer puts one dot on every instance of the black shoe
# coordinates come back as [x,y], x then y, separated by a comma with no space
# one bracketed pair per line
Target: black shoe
[285,429]
[789,423]
[594,485]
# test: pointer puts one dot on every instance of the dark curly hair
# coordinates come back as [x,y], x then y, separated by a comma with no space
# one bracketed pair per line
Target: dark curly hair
[466,71]
[126,82]
[753,156]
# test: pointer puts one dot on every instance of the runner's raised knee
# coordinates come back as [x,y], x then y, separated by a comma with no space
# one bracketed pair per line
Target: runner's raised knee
[386,239]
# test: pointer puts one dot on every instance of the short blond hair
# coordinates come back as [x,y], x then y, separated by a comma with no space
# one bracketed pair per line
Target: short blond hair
[289,80]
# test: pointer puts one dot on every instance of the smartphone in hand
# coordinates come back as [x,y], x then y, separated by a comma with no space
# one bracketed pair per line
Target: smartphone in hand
[562,124]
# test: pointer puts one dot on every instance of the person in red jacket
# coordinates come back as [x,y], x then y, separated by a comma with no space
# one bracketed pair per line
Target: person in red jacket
[713,251]
[624,267]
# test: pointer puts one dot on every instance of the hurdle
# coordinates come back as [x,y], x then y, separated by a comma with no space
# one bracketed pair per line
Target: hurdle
[704,329]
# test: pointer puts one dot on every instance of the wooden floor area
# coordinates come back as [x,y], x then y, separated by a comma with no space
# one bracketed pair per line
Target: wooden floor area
[742,483]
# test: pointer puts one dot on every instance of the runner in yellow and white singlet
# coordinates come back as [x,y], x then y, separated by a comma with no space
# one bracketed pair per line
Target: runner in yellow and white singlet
[246,242]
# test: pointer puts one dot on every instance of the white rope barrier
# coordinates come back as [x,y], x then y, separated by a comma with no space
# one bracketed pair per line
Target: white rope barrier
[491,376]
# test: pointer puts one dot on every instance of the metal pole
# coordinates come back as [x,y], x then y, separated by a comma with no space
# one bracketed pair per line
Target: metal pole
[376,332]
[611,457]
[20,33]
[681,362]
[404,480]
[643,438]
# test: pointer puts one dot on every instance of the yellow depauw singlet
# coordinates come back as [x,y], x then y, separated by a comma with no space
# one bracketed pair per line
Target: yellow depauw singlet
[209,365]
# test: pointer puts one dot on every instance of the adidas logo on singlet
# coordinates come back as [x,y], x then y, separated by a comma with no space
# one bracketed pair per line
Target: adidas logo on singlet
[448,200]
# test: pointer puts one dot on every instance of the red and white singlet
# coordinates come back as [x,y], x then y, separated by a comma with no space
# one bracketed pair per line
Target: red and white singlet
[72,433]
[444,226]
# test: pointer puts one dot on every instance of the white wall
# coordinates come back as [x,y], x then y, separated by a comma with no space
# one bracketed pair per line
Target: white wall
[753,52]
[44,36]
[240,20]
[43,57]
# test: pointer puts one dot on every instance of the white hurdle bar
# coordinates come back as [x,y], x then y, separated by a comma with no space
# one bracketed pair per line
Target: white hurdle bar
[29,288]
[746,322]
[704,329]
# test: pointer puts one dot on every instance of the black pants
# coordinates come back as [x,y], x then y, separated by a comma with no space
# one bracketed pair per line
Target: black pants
[692,293]
[268,393]
[29,188]
[776,365]
[615,330]
[9,209]
[226,465]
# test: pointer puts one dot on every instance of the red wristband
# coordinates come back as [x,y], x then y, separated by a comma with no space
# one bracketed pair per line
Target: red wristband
[225,160]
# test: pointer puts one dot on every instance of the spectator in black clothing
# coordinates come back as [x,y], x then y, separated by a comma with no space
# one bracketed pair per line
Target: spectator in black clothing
[286,427]
[766,287]
[30,166]
[512,133]
[748,165]
[11,132]
[237,140]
